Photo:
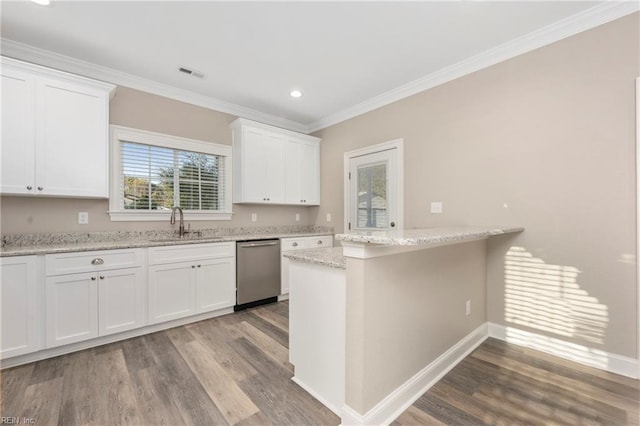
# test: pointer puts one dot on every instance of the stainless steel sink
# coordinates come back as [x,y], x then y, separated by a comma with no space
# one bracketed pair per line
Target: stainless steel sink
[187,239]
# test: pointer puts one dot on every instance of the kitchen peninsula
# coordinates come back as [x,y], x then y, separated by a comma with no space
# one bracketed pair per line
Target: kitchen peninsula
[377,324]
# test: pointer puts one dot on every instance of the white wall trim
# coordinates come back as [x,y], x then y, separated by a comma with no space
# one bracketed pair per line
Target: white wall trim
[638,218]
[564,28]
[50,59]
[336,410]
[73,347]
[387,410]
[397,144]
[596,358]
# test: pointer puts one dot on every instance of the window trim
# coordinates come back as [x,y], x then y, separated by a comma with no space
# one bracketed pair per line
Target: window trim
[125,134]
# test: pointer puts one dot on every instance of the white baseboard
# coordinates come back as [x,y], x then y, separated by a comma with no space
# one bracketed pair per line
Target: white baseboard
[73,347]
[336,410]
[387,410]
[613,363]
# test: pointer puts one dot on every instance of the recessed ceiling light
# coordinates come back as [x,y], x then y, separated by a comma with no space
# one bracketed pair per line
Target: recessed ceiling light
[42,2]
[295,94]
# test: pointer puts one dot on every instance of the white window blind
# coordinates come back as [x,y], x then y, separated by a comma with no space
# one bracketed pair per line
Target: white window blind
[158,178]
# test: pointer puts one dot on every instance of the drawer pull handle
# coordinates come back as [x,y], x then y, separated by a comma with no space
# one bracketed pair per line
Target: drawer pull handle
[93,278]
[193,266]
[40,188]
[199,266]
[29,187]
[97,261]
[319,241]
[294,245]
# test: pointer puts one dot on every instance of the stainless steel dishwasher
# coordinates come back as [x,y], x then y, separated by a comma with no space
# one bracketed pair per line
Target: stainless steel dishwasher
[257,273]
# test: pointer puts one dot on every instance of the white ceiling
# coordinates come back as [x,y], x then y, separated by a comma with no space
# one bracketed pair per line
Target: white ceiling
[345,57]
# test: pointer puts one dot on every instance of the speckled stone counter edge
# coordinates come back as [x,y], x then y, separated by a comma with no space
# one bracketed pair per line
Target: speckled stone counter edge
[427,236]
[43,243]
[330,256]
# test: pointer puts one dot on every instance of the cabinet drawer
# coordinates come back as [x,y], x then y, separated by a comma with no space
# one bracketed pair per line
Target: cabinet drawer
[188,252]
[290,244]
[90,261]
[319,242]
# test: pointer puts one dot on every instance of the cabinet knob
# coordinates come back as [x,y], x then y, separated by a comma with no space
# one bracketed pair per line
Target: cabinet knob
[40,188]
[102,277]
[97,261]
[295,244]
[199,266]
[93,278]
[319,241]
[29,187]
[193,266]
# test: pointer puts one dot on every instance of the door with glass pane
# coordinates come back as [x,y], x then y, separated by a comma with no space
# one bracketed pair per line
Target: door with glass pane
[373,191]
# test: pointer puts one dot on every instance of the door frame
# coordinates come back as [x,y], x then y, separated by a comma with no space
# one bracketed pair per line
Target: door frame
[638,222]
[398,145]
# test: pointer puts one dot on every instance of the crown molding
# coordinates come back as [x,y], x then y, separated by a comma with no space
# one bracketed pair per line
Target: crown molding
[564,28]
[590,18]
[50,59]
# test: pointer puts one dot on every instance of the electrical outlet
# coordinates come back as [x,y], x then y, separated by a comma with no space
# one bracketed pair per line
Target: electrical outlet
[468,308]
[436,207]
[83,218]
[254,217]
[328,217]
[297,217]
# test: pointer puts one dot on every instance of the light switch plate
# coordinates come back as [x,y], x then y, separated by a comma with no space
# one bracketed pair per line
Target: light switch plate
[436,207]
[83,218]
[328,217]
[254,217]
[297,217]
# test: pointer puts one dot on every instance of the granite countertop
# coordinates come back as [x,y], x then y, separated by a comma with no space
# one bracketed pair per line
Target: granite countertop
[426,236]
[33,244]
[330,256]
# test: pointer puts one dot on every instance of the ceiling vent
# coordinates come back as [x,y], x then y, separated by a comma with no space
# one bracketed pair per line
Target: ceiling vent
[191,72]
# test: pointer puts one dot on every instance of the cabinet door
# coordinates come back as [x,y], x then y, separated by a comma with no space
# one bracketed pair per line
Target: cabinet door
[71,140]
[289,244]
[254,165]
[18,150]
[71,308]
[275,174]
[20,306]
[293,171]
[171,291]
[215,284]
[310,174]
[120,300]
[302,165]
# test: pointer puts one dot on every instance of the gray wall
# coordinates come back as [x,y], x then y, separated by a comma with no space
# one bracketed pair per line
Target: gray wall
[547,141]
[145,111]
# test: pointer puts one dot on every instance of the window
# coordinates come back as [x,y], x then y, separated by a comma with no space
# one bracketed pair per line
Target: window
[150,173]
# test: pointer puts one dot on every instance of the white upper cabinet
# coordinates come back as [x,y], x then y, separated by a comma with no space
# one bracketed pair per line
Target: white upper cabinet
[55,132]
[272,165]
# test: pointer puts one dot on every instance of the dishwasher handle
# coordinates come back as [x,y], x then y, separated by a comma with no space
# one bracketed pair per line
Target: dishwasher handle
[274,243]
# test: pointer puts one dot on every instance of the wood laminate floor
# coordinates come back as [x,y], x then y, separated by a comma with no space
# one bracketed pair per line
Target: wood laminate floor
[234,370]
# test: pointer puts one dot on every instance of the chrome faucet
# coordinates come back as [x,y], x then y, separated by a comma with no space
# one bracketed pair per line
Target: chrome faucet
[181,231]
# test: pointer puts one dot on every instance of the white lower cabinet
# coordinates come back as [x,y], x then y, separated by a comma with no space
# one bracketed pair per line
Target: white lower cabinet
[202,282]
[20,304]
[171,291]
[298,243]
[99,302]
[120,300]
[215,284]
